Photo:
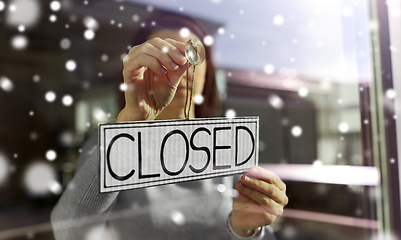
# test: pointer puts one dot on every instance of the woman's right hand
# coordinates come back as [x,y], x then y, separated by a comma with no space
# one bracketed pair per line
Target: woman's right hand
[152,72]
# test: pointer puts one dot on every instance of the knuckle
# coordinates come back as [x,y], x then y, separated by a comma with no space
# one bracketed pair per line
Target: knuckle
[265,200]
[133,49]
[126,59]
[269,218]
[279,212]
[270,190]
[154,62]
[173,49]
[254,183]
[146,46]
[287,200]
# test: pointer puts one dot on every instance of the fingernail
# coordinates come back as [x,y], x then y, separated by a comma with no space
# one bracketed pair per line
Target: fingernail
[247,179]
[175,66]
[254,170]
[182,58]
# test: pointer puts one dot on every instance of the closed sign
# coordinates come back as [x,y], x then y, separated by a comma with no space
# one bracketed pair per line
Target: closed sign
[150,153]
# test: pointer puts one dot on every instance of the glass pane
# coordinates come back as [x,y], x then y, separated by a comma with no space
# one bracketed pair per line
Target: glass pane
[303,67]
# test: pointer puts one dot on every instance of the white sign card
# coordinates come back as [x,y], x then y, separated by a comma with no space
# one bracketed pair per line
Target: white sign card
[150,153]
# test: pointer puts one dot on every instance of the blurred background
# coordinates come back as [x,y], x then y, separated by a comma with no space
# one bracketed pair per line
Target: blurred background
[319,74]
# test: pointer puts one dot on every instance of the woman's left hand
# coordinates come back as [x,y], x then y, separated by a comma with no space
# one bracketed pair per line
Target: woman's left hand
[261,199]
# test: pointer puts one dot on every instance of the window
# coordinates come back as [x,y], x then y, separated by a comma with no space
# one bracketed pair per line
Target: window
[319,74]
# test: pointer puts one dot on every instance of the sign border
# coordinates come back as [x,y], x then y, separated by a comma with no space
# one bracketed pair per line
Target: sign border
[140,124]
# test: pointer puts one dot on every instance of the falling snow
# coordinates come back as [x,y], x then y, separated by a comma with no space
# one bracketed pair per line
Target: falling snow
[19,42]
[12,8]
[343,127]
[21,28]
[89,34]
[67,138]
[53,18]
[33,136]
[36,78]
[390,93]
[94,232]
[67,100]
[37,178]
[303,92]
[50,96]
[123,87]
[55,187]
[184,32]
[6,84]
[70,65]
[276,102]
[278,20]
[51,155]
[268,68]
[230,113]
[104,57]
[296,131]
[198,99]
[208,40]
[65,43]
[221,188]
[55,6]
[177,217]
[90,23]
[317,163]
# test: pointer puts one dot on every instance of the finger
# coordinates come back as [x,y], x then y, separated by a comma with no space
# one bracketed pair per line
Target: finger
[176,50]
[175,77]
[150,49]
[266,175]
[143,60]
[267,203]
[272,191]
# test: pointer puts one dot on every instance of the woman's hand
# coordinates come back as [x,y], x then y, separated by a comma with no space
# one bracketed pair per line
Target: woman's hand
[152,72]
[260,201]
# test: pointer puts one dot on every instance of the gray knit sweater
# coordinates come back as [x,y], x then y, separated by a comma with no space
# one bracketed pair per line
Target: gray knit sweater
[190,210]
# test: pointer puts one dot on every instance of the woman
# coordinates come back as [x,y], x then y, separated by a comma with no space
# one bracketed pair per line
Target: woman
[156,89]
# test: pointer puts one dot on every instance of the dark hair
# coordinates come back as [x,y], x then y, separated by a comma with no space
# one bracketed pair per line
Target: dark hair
[163,20]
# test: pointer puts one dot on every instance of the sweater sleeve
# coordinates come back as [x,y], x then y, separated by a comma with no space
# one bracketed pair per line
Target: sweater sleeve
[82,207]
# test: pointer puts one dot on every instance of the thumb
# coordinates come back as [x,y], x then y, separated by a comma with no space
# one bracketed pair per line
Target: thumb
[175,76]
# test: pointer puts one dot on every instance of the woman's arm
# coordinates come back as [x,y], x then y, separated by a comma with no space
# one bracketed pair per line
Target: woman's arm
[151,73]
[82,206]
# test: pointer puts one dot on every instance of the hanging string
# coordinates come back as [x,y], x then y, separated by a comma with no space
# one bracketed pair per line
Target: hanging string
[186,114]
